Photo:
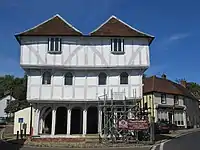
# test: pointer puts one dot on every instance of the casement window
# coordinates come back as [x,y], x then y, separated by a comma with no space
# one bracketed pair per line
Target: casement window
[54,45]
[124,78]
[117,46]
[102,78]
[163,99]
[68,79]
[176,101]
[46,78]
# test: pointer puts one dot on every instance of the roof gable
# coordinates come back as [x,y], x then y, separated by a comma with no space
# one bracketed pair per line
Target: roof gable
[116,27]
[55,26]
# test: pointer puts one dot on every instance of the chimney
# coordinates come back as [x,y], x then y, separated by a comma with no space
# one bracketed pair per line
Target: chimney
[164,76]
[184,83]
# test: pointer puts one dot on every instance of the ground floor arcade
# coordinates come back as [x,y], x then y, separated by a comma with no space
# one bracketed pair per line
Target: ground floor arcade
[66,119]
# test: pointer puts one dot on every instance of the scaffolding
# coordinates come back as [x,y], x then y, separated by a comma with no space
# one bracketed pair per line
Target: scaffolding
[119,107]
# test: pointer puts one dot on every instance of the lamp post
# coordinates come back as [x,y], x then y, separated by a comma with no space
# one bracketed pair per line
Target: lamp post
[31,120]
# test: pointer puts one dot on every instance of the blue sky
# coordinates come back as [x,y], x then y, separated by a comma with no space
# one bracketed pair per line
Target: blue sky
[175,24]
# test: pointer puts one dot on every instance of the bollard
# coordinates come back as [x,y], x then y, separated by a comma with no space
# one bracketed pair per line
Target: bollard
[25,132]
[21,134]
[17,135]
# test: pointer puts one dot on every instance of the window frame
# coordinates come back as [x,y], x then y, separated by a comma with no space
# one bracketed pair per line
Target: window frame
[57,42]
[176,100]
[100,79]
[71,77]
[46,78]
[122,81]
[163,95]
[117,46]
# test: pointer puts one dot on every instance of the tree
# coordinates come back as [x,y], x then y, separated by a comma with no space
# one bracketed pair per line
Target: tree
[16,87]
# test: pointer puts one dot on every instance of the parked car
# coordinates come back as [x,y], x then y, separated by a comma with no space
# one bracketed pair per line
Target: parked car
[173,126]
[162,127]
[3,121]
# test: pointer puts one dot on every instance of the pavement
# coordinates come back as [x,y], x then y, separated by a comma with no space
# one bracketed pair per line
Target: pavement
[9,146]
[185,141]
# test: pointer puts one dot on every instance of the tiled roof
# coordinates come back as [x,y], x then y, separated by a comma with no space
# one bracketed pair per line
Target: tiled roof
[116,27]
[55,26]
[156,84]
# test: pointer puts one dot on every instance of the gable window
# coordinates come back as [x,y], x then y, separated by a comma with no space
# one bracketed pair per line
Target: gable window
[54,45]
[68,78]
[124,78]
[46,78]
[117,46]
[102,78]
[163,99]
[176,101]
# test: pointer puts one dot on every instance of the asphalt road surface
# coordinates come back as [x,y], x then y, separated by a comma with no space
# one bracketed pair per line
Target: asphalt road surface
[186,142]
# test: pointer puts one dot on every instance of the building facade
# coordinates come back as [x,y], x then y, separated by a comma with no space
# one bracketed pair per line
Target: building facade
[68,72]
[168,101]
[4,102]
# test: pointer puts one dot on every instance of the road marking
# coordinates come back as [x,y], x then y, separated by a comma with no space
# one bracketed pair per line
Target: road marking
[154,147]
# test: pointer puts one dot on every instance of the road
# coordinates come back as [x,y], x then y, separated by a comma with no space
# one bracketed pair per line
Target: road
[186,142]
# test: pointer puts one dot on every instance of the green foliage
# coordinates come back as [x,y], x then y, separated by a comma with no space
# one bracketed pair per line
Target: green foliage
[16,87]
[193,87]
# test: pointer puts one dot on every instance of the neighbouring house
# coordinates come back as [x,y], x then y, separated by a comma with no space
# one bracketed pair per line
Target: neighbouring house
[21,118]
[170,101]
[68,72]
[4,102]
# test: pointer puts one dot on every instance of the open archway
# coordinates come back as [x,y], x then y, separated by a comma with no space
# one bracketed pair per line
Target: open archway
[46,120]
[92,120]
[76,121]
[61,120]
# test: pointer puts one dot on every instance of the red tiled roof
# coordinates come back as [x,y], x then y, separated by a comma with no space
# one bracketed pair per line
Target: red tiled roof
[115,27]
[55,26]
[155,84]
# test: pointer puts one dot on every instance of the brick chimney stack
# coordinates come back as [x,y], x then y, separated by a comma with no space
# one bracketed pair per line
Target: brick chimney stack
[184,83]
[164,76]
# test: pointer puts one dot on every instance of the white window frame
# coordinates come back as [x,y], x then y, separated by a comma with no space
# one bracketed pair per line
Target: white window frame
[163,99]
[54,50]
[115,48]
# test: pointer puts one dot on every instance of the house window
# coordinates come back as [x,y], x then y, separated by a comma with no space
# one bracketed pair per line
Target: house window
[102,78]
[68,78]
[117,46]
[54,45]
[46,78]
[124,78]
[145,106]
[176,101]
[8,102]
[163,98]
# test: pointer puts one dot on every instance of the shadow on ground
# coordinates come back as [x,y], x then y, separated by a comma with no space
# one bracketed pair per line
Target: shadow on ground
[12,144]
[160,137]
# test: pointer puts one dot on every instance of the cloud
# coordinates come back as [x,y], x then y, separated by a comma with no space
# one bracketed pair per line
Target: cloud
[178,36]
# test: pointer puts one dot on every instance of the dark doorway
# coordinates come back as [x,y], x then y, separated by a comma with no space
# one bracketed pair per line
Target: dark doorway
[170,118]
[76,121]
[61,121]
[92,120]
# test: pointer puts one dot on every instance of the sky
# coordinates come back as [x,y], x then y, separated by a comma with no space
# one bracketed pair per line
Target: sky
[175,25]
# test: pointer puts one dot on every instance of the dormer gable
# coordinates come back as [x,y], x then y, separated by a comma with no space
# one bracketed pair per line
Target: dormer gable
[55,26]
[114,27]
